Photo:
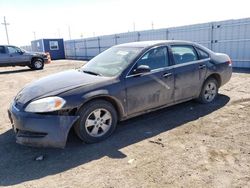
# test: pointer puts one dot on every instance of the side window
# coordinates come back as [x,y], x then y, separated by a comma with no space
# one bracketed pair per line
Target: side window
[155,58]
[183,54]
[202,54]
[53,45]
[12,50]
[2,50]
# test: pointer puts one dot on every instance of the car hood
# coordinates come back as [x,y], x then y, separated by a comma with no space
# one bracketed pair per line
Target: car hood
[42,54]
[56,84]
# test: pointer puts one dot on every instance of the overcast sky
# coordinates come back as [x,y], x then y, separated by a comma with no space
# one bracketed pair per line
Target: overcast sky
[52,18]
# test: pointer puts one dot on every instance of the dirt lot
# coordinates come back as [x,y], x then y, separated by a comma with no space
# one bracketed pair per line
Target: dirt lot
[188,145]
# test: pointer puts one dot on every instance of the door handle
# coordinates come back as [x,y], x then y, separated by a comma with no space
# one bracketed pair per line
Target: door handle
[202,66]
[165,75]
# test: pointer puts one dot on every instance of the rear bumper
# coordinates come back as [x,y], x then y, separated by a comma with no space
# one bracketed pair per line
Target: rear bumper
[40,130]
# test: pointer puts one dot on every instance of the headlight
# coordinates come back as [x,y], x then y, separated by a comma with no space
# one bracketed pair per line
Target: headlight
[47,104]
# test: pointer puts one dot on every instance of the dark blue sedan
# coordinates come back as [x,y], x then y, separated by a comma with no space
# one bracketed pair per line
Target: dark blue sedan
[124,81]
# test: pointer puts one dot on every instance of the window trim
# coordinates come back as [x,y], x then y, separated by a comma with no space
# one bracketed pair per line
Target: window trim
[128,75]
[188,45]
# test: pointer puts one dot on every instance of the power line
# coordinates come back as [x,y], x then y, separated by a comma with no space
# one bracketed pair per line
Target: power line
[6,29]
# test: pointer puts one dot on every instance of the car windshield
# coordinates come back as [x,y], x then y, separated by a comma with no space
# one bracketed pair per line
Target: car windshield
[111,62]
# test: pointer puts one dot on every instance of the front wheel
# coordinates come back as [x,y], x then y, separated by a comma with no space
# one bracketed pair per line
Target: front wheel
[97,121]
[37,64]
[209,91]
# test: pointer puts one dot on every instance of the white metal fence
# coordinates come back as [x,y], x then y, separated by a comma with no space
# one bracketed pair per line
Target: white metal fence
[231,37]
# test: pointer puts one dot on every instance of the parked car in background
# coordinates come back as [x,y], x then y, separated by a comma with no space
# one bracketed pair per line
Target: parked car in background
[14,56]
[124,81]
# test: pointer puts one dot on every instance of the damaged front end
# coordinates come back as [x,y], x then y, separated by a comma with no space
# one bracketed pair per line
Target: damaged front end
[41,130]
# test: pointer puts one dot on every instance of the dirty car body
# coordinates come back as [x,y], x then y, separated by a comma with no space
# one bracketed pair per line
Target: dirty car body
[157,74]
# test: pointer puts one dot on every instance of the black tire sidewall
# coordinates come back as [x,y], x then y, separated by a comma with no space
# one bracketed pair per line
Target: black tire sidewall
[84,113]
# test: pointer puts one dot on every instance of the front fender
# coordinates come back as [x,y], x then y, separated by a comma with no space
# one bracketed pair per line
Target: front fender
[104,94]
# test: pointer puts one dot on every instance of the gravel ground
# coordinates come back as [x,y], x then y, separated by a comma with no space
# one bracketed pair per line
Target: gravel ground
[187,145]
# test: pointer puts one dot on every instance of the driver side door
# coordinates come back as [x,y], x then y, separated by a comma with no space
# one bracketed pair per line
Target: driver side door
[16,57]
[152,89]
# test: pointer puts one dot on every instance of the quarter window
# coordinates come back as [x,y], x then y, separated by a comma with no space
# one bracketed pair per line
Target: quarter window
[202,54]
[155,58]
[184,54]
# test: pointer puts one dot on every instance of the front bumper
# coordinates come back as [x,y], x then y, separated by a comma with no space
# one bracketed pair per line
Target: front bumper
[47,60]
[40,130]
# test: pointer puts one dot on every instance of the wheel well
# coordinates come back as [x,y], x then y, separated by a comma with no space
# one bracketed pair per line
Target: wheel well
[110,100]
[33,58]
[216,77]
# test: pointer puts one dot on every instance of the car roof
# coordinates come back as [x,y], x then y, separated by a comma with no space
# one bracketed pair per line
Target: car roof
[144,44]
[7,45]
[152,43]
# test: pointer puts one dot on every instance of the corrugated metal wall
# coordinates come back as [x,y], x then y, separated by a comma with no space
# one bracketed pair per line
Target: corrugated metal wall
[230,36]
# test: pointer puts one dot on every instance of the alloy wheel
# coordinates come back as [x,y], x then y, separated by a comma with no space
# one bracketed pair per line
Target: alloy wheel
[98,122]
[38,64]
[210,91]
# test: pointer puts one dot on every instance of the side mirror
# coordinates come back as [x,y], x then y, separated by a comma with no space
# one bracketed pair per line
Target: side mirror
[142,69]
[21,52]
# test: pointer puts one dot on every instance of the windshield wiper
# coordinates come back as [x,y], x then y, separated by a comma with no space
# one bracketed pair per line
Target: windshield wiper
[90,72]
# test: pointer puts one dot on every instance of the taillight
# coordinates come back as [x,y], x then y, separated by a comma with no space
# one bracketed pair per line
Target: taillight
[230,62]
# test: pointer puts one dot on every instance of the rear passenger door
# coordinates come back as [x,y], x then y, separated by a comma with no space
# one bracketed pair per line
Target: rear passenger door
[4,56]
[187,71]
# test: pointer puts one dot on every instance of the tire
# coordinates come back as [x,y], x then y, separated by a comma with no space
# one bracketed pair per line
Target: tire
[37,64]
[97,121]
[209,91]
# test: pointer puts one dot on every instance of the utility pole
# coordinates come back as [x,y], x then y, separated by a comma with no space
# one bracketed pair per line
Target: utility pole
[152,24]
[69,33]
[59,33]
[134,26]
[6,30]
[34,33]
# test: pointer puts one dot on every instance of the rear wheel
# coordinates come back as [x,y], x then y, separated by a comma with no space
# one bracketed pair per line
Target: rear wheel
[97,121]
[209,91]
[37,64]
